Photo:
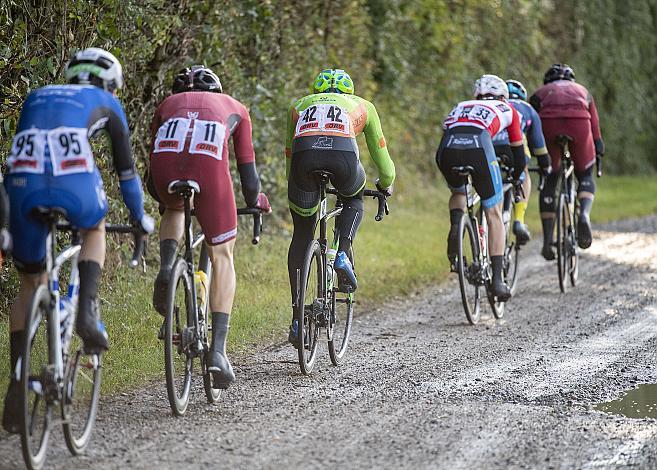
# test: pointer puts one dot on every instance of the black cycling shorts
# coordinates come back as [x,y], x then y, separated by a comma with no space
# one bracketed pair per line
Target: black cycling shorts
[471,146]
[346,173]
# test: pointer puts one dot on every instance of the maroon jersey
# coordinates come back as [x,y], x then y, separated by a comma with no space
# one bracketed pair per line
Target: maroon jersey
[199,124]
[566,99]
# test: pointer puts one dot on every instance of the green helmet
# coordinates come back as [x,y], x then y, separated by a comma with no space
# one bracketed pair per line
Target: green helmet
[333,81]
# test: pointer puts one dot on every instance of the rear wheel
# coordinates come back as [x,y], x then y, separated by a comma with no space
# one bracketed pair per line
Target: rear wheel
[81,394]
[562,241]
[178,338]
[310,306]
[469,269]
[37,381]
[342,311]
[212,394]
[511,259]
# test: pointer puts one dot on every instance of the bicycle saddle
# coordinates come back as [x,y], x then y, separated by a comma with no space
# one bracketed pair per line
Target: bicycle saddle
[323,175]
[47,214]
[183,186]
[562,139]
[463,170]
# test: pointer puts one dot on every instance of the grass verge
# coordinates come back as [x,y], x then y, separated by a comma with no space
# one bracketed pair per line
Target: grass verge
[394,257]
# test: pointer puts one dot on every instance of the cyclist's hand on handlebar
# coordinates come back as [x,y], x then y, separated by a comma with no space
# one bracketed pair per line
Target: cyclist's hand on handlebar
[544,164]
[146,224]
[387,191]
[263,203]
[5,242]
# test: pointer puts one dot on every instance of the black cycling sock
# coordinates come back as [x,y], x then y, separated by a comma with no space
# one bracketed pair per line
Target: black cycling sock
[497,263]
[349,221]
[15,349]
[168,250]
[89,276]
[344,244]
[548,228]
[455,216]
[220,325]
[585,205]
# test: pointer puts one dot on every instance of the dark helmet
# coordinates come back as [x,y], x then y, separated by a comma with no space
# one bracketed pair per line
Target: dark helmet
[559,72]
[196,78]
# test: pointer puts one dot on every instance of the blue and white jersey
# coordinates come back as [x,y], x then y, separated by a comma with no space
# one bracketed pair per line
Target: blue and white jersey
[56,124]
[530,123]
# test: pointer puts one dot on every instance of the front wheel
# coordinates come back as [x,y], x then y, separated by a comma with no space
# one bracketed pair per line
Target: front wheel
[211,394]
[310,305]
[81,394]
[342,312]
[469,269]
[178,361]
[574,255]
[37,380]
[563,243]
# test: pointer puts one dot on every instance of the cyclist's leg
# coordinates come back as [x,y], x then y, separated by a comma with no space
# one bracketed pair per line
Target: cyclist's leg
[487,181]
[165,169]
[520,228]
[88,213]
[217,214]
[583,154]
[548,206]
[303,199]
[29,252]
[446,159]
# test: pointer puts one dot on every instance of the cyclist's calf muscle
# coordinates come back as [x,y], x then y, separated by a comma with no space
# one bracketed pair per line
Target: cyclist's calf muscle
[223,283]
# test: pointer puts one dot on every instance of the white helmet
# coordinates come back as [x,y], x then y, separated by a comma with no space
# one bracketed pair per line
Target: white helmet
[95,66]
[490,85]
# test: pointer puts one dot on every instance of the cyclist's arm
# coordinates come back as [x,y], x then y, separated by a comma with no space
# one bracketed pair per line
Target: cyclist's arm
[114,122]
[376,144]
[537,141]
[595,127]
[245,156]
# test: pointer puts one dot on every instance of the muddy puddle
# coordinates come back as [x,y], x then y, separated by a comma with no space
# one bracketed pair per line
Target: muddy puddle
[640,402]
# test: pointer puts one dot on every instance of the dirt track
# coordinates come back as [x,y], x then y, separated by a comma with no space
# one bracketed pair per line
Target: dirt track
[423,389]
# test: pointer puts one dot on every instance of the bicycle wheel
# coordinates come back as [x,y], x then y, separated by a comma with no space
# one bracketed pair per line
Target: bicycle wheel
[310,306]
[342,312]
[469,269]
[37,381]
[212,394]
[511,259]
[178,361]
[574,255]
[562,241]
[81,394]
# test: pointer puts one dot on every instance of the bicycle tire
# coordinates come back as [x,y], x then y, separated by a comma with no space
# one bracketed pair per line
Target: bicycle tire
[511,259]
[83,374]
[467,269]
[574,259]
[173,337]
[562,241]
[36,346]
[305,314]
[211,394]
[337,346]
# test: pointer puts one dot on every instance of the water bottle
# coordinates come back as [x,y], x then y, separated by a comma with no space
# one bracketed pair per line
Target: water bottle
[201,281]
[66,315]
[330,259]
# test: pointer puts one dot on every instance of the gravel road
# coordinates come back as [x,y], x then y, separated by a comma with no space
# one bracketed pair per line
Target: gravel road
[422,389]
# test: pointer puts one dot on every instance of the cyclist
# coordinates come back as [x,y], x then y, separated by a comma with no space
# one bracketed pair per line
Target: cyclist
[533,140]
[568,108]
[469,129]
[51,164]
[190,132]
[321,135]
[5,236]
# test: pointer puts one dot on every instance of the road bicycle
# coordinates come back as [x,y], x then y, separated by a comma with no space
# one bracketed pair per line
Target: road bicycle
[318,302]
[566,215]
[186,332]
[56,372]
[473,263]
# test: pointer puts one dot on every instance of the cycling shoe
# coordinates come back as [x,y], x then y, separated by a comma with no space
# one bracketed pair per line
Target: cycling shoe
[11,415]
[346,277]
[584,236]
[548,253]
[500,290]
[160,291]
[521,231]
[293,335]
[221,370]
[92,330]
